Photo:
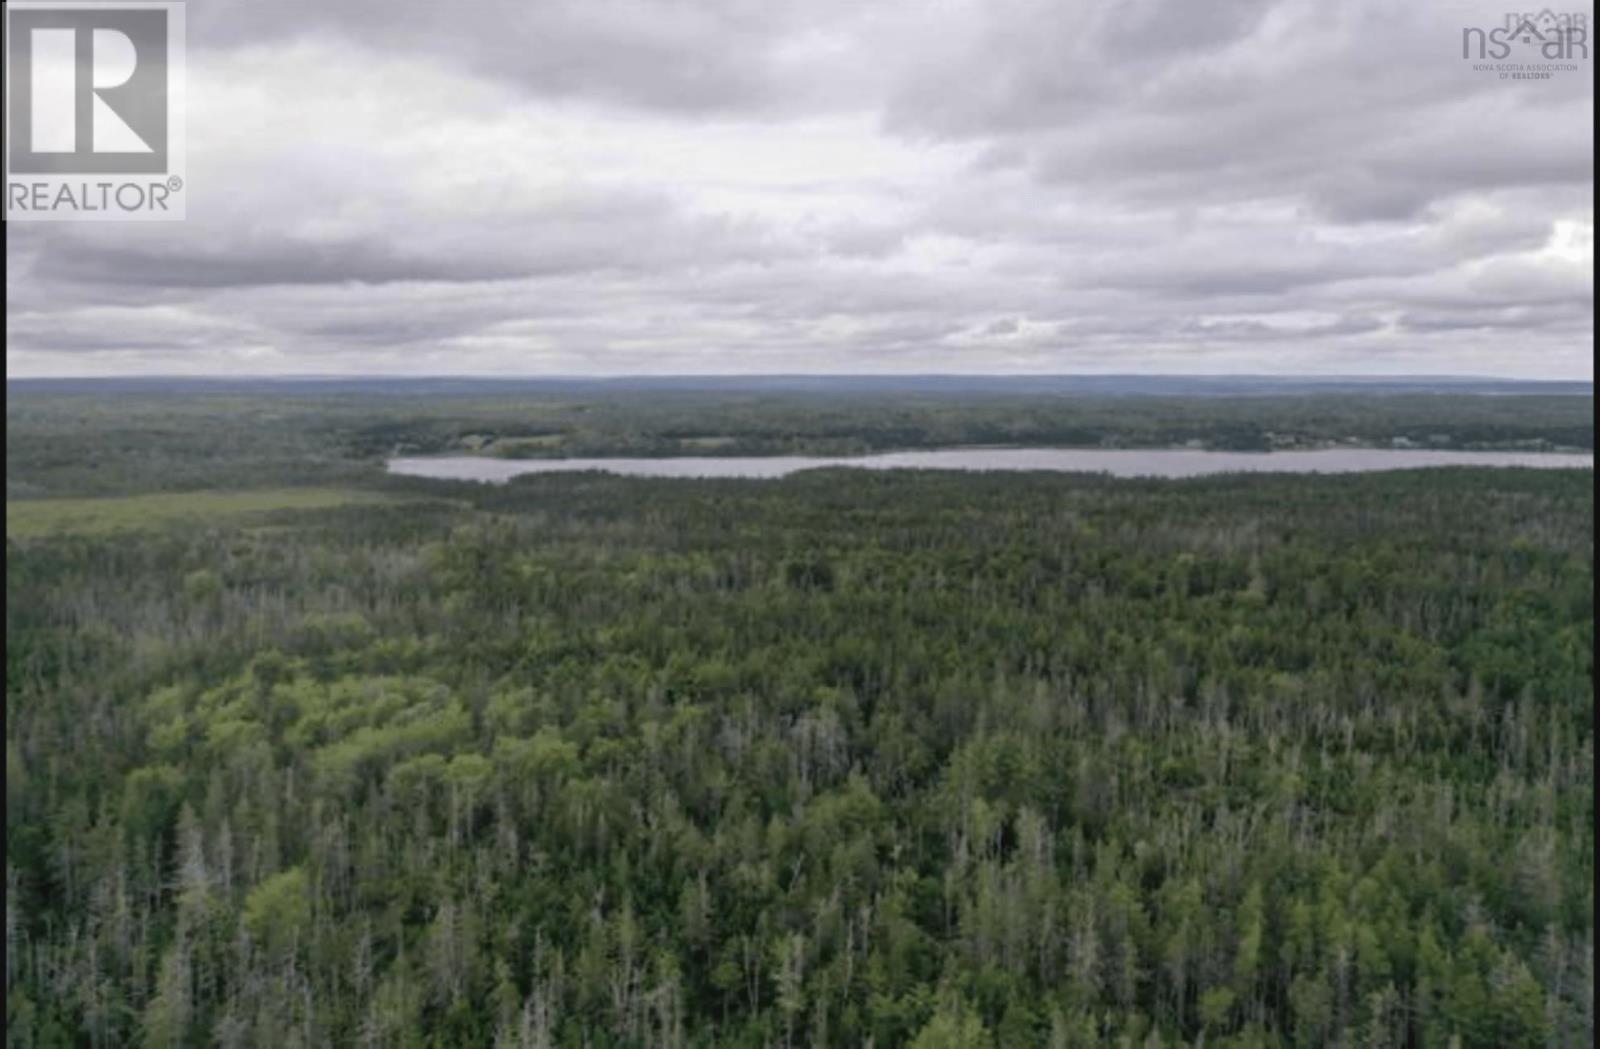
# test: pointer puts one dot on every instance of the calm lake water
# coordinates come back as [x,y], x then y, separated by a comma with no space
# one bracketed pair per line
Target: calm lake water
[1131,462]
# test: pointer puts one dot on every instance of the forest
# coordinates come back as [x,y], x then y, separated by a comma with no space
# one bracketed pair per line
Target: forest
[301,755]
[108,437]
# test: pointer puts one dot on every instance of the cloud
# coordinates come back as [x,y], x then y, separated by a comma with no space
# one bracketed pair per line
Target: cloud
[614,186]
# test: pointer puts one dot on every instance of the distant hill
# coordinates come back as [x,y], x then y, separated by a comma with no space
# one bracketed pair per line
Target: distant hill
[1102,385]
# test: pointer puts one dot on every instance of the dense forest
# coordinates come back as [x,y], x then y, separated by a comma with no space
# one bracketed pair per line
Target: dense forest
[111,438]
[910,758]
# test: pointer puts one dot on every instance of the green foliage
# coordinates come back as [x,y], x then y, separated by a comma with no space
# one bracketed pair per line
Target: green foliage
[954,1026]
[922,759]
[36,517]
[277,912]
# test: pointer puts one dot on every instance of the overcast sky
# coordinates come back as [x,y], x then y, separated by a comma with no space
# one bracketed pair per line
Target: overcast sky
[541,187]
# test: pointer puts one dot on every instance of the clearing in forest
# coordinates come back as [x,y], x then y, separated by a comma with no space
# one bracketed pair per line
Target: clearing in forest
[35,517]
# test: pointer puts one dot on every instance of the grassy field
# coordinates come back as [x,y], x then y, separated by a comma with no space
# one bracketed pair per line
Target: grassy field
[35,517]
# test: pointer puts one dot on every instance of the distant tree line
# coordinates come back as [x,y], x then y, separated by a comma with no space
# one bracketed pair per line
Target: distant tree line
[75,443]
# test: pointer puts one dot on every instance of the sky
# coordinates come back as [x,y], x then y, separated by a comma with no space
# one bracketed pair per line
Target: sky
[616,187]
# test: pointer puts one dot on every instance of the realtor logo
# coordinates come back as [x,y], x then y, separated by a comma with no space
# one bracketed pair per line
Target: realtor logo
[94,121]
[1540,45]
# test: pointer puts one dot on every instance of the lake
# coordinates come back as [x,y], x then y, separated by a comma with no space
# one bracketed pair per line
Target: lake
[1119,462]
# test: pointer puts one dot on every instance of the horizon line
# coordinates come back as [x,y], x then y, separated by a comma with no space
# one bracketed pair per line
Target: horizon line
[634,376]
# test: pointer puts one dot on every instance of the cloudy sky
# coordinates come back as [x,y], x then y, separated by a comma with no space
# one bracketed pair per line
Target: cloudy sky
[541,187]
